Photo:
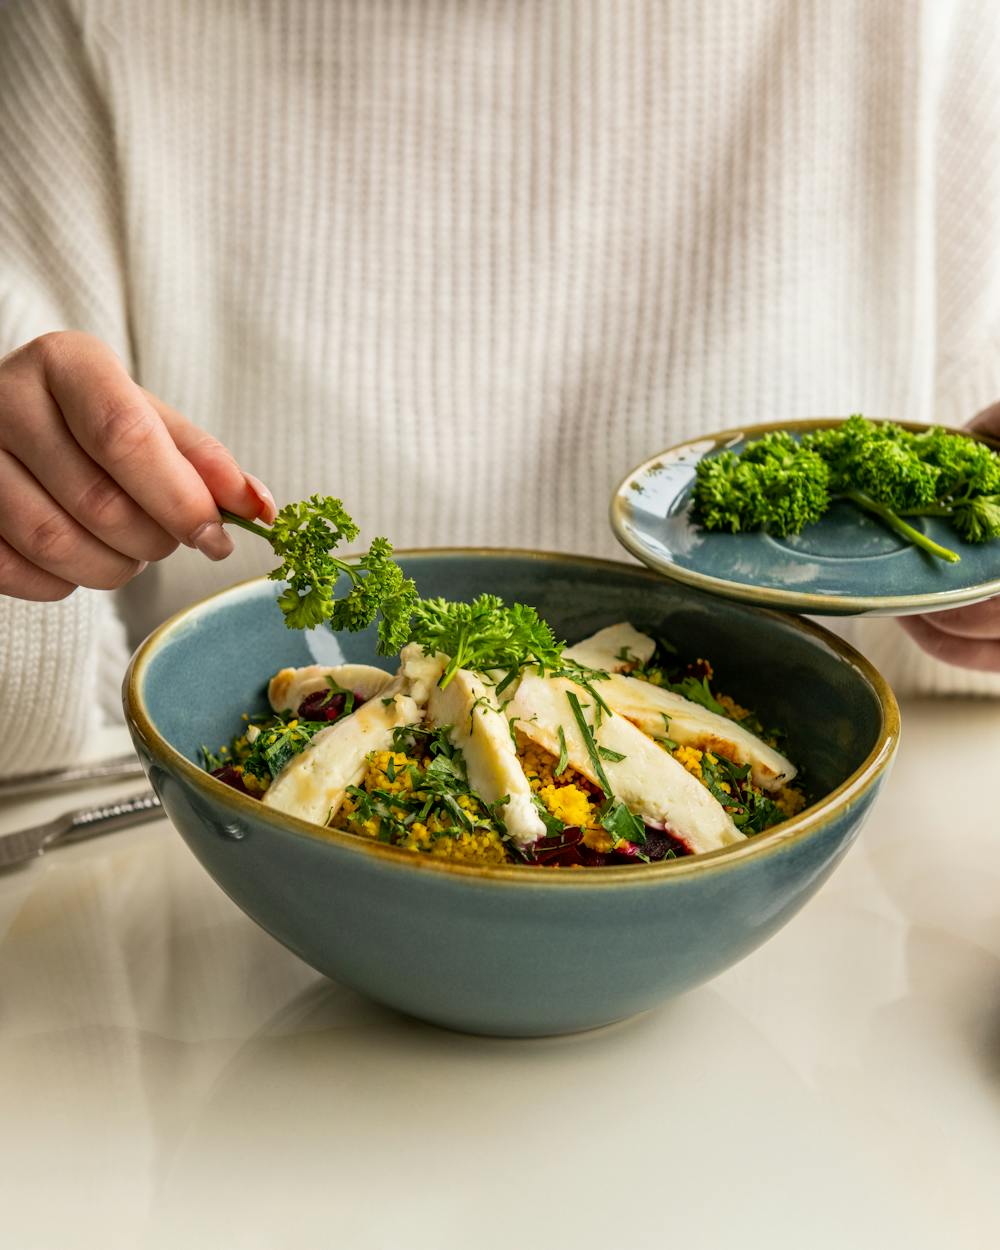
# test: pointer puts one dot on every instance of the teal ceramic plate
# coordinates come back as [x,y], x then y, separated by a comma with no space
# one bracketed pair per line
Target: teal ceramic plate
[848,564]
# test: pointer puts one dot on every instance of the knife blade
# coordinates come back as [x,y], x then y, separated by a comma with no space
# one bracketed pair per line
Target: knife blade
[83,822]
[121,767]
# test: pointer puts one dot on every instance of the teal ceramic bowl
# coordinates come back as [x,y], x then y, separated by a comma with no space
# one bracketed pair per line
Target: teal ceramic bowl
[517,951]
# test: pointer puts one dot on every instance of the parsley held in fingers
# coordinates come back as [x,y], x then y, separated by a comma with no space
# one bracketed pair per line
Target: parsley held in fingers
[303,537]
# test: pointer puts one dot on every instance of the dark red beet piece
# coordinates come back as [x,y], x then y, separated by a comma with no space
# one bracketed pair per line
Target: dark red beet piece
[659,843]
[565,849]
[230,776]
[322,705]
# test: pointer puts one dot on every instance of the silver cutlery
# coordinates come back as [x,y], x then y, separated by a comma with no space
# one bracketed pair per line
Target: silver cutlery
[85,822]
[121,767]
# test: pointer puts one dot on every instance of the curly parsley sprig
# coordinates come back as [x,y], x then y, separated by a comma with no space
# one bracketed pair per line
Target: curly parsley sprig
[782,484]
[484,634]
[303,537]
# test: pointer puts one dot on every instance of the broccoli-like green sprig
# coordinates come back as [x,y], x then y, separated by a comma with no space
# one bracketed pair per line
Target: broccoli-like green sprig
[780,484]
[484,634]
[775,484]
[303,536]
[964,465]
[978,520]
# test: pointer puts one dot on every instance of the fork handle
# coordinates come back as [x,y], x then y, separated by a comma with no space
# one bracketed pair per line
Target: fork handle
[91,821]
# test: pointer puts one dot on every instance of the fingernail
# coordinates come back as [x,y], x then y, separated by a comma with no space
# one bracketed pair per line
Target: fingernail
[212,540]
[143,564]
[268,508]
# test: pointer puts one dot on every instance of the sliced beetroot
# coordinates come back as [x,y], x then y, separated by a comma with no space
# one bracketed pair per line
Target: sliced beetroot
[321,705]
[661,842]
[231,776]
[557,848]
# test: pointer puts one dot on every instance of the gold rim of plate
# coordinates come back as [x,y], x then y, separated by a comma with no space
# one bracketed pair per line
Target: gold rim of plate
[769,596]
[809,821]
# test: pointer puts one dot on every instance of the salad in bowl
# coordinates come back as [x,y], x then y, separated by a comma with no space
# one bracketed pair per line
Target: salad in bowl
[613,752]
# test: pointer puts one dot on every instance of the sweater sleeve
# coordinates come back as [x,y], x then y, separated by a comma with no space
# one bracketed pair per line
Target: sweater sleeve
[61,267]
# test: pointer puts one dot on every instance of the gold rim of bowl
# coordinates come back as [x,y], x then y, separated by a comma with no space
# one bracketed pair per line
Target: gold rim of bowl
[809,821]
[769,596]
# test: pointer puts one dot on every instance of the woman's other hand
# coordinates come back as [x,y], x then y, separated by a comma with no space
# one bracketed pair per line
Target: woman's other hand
[98,477]
[966,637]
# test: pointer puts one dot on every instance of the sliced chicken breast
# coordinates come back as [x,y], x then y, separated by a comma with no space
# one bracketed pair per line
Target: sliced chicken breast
[690,724]
[613,650]
[481,732]
[647,779]
[312,784]
[290,686]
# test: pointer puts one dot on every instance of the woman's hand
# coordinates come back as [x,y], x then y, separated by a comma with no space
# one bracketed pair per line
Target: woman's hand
[966,637]
[98,477]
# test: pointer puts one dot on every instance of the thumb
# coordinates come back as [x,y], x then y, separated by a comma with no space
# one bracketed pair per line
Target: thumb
[987,421]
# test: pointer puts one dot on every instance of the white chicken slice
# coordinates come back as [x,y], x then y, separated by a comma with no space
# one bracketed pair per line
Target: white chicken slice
[647,779]
[690,724]
[312,784]
[613,650]
[482,733]
[422,671]
[290,686]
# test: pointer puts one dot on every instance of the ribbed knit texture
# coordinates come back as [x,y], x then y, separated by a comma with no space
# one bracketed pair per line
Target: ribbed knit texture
[464,264]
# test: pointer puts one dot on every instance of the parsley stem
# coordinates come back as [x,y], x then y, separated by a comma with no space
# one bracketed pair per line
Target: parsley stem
[230,518]
[900,526]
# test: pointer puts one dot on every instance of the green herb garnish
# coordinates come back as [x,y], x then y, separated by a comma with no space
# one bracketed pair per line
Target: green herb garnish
[782,484]
[277,743]
[484,634]
[436,788]
[303,536]
[750,808]
[563,763]
[622,824]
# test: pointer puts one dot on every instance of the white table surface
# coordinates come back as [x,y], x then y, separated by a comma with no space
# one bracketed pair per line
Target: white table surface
[171,1077]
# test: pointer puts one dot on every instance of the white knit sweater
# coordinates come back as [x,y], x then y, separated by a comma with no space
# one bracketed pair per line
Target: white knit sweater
[465,262]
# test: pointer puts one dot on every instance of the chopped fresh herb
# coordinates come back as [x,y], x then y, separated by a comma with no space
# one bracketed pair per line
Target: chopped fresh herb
[510,677]
[666,741]
[697,690]
[623,825]
[212,760]
[553,825]
[752,811]
[275,745]
[615,816]
[613,757]
[563,763]
[349,697]
[589,742]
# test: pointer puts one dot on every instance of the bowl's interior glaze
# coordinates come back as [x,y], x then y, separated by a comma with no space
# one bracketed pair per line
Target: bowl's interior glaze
[213,665]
